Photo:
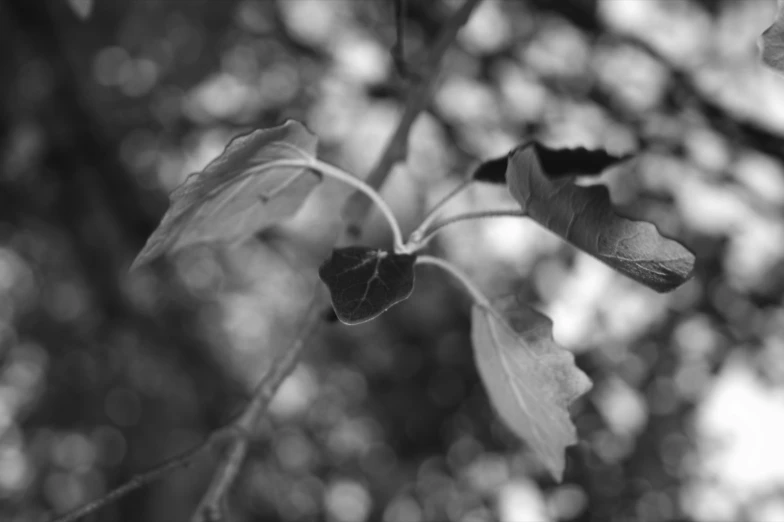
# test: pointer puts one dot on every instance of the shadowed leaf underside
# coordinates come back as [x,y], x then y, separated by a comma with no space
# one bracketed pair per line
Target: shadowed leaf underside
[585,217]
[365,282]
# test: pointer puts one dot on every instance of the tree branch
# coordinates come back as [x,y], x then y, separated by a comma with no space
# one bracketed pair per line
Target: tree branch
[399,49]
[417,99]
[244,426]
[682,92]
[182,460]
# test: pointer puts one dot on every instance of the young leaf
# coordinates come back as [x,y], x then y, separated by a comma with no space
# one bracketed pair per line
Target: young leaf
[771,42]
[364,282]
[530,379]
[585,217]
[234,196]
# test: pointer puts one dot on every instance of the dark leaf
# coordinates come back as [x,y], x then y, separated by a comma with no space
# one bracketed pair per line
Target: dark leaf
[530,379]
[585,217]
[556,162]
[492,171]
[232,198]
[771,42]
[365,282]
[575,162]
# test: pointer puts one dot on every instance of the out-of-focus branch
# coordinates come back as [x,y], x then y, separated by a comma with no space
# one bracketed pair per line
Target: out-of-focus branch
[417,100]
[682,91]
[236,436]
[244,426]
[142,479]
[399,49]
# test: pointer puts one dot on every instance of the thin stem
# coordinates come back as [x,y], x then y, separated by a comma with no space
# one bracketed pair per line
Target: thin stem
[399,50]
[478,297]
[432,214]
[142,479]
[345,177]
[341,175]
[469,216]
[245,425]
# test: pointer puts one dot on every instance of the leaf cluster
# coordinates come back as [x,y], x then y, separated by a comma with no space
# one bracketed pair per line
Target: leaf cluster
[263,178]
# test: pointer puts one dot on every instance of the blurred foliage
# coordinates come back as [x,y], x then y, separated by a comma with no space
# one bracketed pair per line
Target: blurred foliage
[105,373]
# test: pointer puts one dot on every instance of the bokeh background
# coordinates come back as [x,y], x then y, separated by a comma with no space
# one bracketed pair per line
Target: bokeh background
[105,373]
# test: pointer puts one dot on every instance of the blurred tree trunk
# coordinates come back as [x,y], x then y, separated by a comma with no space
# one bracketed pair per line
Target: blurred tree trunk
[74,188]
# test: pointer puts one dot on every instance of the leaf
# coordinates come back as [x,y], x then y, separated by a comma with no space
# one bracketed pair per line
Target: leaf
[771,42]
[530,379]
[233,198]
[364,282]
[556,162]
[585,217]
[575,162]
[82,8]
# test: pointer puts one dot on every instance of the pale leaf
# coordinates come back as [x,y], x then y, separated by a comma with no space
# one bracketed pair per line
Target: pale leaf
[235,197]
[530,379]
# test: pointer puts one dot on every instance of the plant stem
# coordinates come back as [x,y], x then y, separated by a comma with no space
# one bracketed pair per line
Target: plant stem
[309,162]
[478,297]
[142,479]
[345,177]
[416,101]
[469,216]
[244,426]
[417,235]
[399,49]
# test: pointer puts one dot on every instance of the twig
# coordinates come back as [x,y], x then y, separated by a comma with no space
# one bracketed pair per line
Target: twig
[682,92]
[142,479]
[209,507]
[469,216]
[399,49]
[432,214]
[418,97]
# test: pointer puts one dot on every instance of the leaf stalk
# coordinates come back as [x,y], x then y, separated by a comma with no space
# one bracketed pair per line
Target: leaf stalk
[477,295]
[345,177]
[418,242]
[417,235]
